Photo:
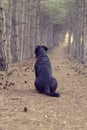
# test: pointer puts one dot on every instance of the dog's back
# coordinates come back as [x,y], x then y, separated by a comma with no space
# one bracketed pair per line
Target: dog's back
[43,67]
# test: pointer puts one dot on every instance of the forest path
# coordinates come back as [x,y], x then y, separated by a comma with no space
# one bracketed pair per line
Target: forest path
[68,112]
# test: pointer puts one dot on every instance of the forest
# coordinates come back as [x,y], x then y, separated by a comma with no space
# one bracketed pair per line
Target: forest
[61,25]
[27,23]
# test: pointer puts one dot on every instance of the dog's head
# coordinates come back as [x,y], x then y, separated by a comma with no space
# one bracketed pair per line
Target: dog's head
[40,50]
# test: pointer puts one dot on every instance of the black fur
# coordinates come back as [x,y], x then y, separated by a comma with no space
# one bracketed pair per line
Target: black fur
[44,82]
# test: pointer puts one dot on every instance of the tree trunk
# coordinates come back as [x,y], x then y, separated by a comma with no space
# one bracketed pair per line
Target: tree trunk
[14,33]
[3,40]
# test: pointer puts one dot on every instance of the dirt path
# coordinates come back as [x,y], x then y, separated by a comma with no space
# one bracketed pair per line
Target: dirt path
[69,112]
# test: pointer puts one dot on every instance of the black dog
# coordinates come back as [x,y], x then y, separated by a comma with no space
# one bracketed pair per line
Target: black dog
[44,82]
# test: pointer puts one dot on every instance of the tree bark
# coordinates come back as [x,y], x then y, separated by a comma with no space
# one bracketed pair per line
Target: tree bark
[3,40]
[14,32]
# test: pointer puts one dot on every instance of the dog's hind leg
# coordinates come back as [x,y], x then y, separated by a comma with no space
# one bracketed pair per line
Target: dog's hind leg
[53,85]
[38,85]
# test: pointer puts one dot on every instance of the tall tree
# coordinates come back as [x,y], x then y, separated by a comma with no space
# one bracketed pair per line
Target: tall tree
[3,40]
[14,32]
[78,30]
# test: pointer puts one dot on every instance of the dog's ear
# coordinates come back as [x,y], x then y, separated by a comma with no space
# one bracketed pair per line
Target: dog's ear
[46,49]
[36,49]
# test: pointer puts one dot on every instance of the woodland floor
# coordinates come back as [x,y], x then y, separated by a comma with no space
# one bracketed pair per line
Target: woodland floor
[68,112]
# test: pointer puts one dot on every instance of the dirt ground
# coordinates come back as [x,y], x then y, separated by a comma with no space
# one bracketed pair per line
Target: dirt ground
[22,108]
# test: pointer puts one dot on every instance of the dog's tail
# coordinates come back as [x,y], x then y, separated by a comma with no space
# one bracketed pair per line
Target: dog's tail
[53,94]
